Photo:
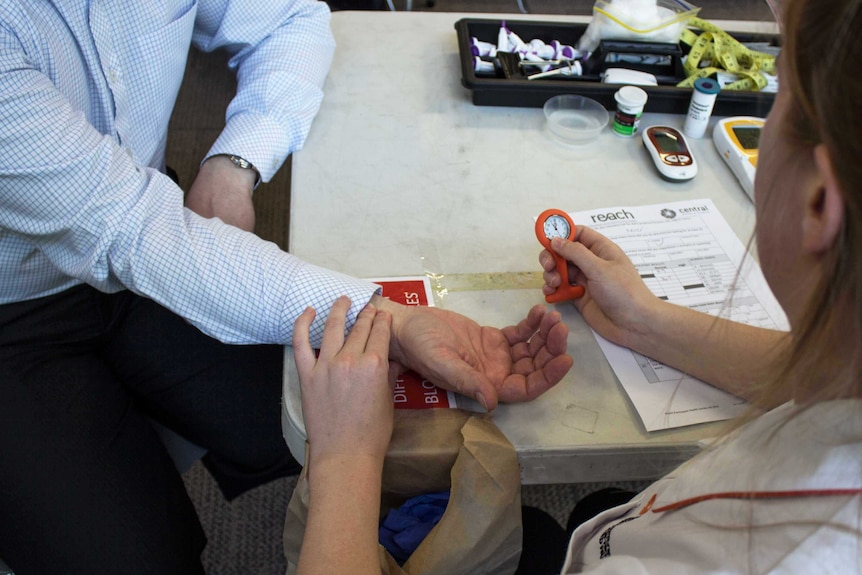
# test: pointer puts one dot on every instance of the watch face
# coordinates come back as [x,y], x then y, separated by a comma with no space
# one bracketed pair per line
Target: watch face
[241,162]
[557,227]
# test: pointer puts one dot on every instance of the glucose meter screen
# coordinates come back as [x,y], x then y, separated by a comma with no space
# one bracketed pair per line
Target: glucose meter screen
[748,138]
[667,143]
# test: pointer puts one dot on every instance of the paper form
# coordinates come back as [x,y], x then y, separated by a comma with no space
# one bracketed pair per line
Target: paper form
[686,254]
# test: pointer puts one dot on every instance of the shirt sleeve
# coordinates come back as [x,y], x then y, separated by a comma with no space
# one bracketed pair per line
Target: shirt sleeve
[281,51]
[78,200]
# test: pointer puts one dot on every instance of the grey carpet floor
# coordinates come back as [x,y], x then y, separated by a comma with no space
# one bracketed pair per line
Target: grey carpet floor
[245,535]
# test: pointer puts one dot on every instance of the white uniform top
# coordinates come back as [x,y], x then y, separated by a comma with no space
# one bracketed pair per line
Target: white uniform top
[815,450]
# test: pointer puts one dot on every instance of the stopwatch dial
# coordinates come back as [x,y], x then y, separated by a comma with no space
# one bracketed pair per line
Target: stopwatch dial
[557,227]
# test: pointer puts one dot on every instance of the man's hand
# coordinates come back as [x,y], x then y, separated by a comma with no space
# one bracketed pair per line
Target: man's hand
[222,190]
[517,363]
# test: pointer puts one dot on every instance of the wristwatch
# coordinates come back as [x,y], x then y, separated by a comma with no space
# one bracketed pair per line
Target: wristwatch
[245,165]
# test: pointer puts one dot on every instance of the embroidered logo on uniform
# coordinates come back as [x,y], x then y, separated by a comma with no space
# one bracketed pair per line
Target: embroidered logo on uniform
[605,539]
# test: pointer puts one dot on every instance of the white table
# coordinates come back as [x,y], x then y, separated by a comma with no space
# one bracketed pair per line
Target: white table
[417,180]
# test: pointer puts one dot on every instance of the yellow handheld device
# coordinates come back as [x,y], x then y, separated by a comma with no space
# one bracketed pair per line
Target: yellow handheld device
[551,224]
[737,140]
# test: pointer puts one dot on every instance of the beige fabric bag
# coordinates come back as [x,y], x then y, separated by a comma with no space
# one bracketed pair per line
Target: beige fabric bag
[434,450]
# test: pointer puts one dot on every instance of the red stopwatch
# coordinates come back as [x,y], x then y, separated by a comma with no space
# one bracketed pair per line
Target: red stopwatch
[551,224]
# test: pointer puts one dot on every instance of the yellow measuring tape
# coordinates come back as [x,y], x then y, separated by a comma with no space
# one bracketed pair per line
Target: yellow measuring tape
[724,54]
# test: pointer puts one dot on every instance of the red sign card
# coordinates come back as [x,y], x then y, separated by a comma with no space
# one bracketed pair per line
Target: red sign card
[411,390]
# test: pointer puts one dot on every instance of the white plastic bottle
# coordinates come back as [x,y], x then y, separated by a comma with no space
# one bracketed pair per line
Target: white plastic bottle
[630,106]
[700,108]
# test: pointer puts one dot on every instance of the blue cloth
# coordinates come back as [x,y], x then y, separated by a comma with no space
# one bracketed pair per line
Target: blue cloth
[86,91]
[404,528]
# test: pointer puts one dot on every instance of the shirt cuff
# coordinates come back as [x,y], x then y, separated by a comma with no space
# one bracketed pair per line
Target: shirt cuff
[258,139]
[318,288]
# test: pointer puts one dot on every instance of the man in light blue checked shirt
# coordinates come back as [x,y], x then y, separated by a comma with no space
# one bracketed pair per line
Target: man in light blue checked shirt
[120,299]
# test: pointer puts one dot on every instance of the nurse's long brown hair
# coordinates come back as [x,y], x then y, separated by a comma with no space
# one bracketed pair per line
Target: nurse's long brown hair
[821,66]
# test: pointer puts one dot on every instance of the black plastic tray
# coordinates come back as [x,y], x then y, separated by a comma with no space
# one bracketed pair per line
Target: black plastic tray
[520,92]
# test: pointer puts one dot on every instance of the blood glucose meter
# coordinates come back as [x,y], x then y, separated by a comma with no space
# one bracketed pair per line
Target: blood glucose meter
[670,153]
[737,140]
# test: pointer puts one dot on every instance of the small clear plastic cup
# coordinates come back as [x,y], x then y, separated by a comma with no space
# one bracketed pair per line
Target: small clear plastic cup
[575,120]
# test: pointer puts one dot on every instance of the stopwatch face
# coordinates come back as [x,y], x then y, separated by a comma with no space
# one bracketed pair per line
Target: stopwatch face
[557,227]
